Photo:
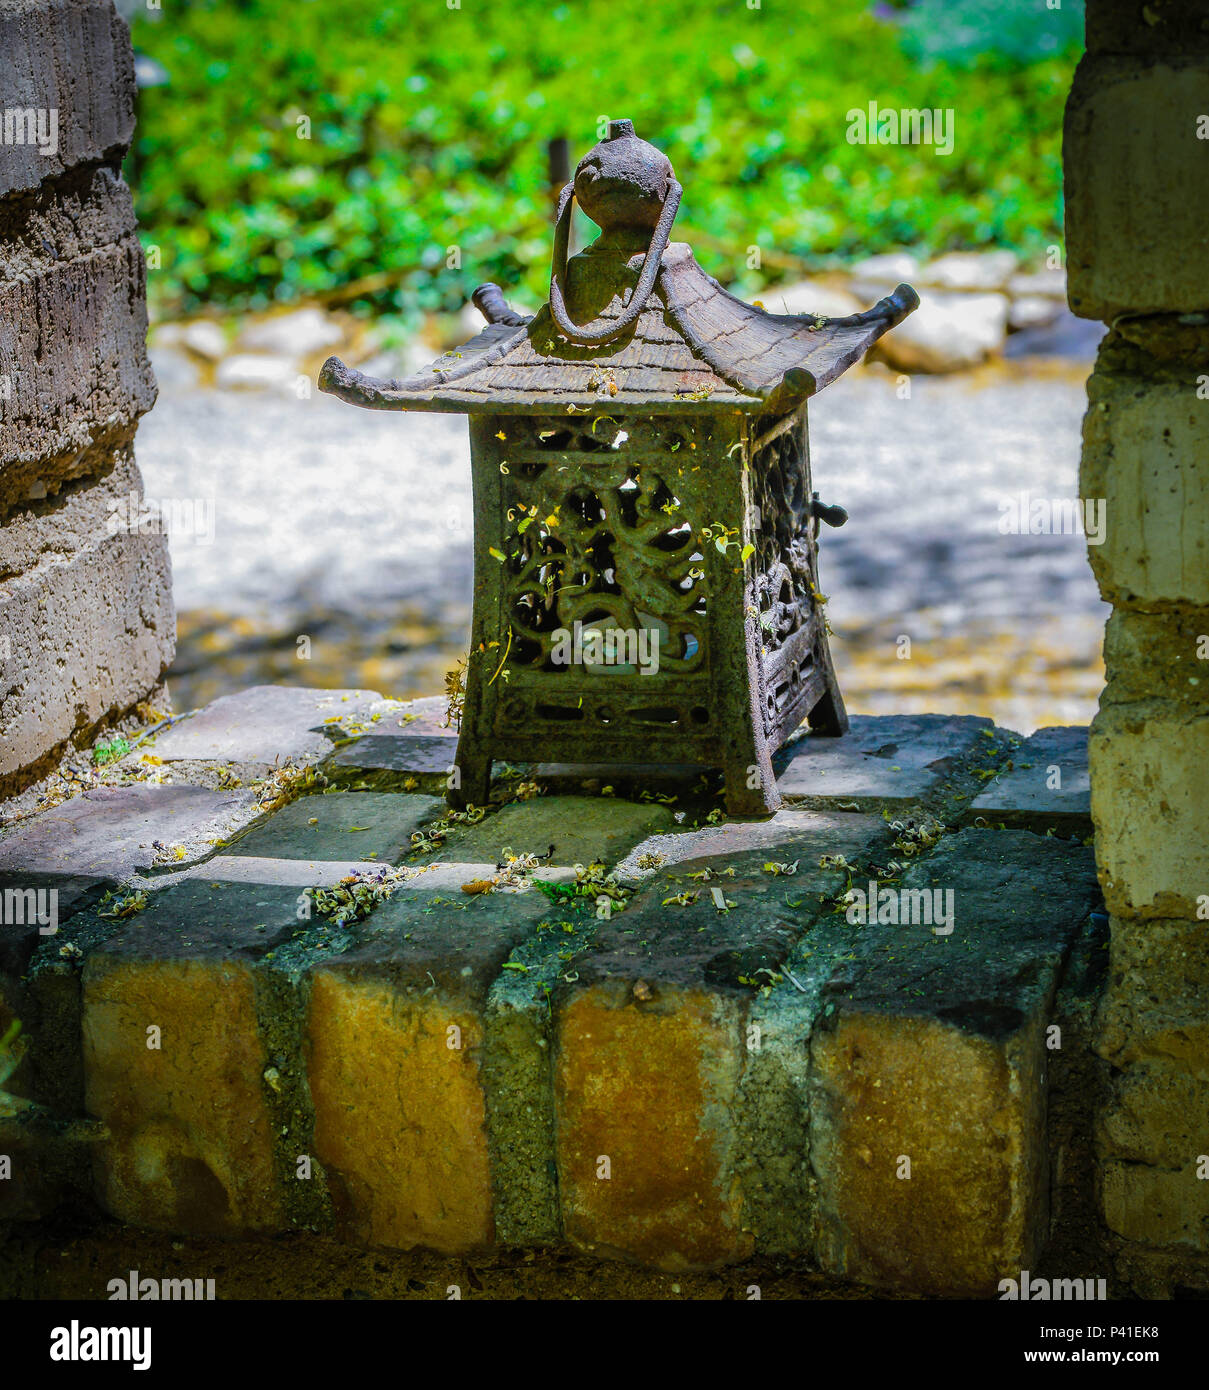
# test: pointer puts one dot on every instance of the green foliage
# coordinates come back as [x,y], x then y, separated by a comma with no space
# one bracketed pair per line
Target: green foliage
[428,130]
[110,750]
[1008,33]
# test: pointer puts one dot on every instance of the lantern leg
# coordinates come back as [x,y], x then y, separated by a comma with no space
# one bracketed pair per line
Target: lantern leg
[751,785]
[474,774]
[829,717]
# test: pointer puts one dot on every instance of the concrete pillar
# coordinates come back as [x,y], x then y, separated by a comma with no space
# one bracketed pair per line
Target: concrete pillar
[87,627]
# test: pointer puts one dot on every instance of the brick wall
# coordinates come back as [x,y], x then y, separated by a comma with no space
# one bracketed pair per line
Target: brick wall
[86,617]
[1137,206]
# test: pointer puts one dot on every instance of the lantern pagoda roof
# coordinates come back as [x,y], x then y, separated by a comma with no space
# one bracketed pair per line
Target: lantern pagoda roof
[642,326]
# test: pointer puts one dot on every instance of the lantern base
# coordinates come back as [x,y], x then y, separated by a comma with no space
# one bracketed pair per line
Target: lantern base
[746,761]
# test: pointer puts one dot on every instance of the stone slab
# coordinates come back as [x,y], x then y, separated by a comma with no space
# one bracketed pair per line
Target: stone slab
[783,837]
[1022,795]
[265,724]
[22,918]
[298,873]
[340,826]
[883,760]
[580,829]
[110,832]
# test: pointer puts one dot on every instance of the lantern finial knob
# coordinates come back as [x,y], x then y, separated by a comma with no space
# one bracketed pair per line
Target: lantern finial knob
[624,181]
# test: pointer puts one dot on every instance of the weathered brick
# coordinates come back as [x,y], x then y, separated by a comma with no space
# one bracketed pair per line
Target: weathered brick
[1153,656]
[645,1151]
[1150,805]
[192,1146]
[1157,1114]
[1159,1206]
[1131,136]
[932,1049]
[72,56]
[395,1041]
[1146,454]
[656,1068]
[1154,1006]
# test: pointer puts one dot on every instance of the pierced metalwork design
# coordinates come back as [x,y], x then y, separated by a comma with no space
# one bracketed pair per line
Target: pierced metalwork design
[597,537]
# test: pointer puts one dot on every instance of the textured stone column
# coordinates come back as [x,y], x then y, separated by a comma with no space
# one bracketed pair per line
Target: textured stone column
[86,617]
[1137,206]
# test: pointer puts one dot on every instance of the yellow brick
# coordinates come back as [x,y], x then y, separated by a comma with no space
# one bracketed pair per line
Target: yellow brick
[1150,805]
[191,1147]
[1146,455]
[1137,200]
[968,1112]
[400,1117]
[1159,1206]
[649,1088]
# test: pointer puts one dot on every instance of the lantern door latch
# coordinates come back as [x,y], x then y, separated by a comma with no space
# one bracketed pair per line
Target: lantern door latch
[832,515]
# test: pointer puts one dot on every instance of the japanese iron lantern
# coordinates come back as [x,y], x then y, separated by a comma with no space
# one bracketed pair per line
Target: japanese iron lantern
[645,557]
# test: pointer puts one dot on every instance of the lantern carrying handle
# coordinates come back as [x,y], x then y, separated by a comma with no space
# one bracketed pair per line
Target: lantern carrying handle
[601,330]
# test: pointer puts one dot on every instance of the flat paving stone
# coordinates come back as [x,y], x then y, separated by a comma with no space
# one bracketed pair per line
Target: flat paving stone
[411,739]
[205,920]
[26,921]
[1018,899]
[1023,794]
[427,878]
[581,829]
[786,836]
[110,832]
[341,826]
[299,873]
[883,760]
[417,755]
[265,724]
[762,912]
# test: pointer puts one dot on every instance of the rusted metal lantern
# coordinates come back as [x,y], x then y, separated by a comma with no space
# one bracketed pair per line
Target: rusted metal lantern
[645,558]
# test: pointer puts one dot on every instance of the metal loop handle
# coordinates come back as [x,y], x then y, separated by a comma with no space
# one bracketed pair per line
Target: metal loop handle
[601,330]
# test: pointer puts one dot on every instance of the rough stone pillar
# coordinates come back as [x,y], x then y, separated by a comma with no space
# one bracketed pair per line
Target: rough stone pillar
[1137,207]
[86,617]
